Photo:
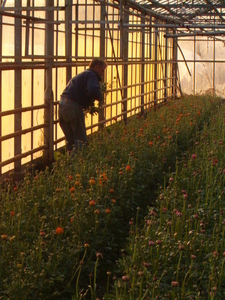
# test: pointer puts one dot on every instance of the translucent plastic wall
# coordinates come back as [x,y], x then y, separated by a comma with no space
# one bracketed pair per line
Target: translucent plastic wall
[46,42]
[201,65]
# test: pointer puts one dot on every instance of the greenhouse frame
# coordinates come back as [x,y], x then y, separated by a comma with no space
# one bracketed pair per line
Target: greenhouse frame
[155,50]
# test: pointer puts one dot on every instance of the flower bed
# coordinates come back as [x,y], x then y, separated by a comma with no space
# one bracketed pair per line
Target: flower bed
[62,230]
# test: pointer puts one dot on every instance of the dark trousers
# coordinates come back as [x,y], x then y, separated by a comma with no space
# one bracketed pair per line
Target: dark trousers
[72,122]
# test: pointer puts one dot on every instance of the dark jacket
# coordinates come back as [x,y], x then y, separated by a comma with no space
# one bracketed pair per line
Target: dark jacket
[84,88]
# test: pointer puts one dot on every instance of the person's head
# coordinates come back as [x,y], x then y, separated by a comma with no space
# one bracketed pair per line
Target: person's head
[98,66]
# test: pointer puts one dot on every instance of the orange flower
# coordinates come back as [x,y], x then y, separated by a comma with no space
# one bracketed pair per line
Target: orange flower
[92,181]
[107,211]
[104,177]
[92,203]
[114,201]
[15,188]
[72,189]
[4,236]
[97,212]
[77,182]
[57,190]
[59,230]
[111,190]
[70,177]
[150,143]
[128,168]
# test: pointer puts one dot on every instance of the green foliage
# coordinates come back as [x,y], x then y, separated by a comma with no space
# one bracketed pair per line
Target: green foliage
[63,230]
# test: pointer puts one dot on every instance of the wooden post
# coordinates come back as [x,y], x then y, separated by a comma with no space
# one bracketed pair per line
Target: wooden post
[175,66]
[142,66]
[101,115]
[166,68]
[48,154]
[18,85]
[124,41]
[68,40]
[155,67]
[0,90]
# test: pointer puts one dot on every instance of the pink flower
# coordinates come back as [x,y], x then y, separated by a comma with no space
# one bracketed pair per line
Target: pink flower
[179,214]
[175,283]
[171,179]
[151,243]
[125,278]
[193,156]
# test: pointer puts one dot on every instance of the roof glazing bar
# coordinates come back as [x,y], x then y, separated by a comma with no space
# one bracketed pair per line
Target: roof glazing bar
[199,33]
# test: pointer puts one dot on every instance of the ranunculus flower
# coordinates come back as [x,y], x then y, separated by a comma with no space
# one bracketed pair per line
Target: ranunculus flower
[42,233]
[92,203]
[175,283]
[72,189]
[151,243]
[59,230]
[92,181]
[128,168]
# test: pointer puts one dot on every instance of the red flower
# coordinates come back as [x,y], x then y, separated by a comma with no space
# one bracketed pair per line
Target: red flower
[72,189]
[107,211]
[59,230]
[128,168]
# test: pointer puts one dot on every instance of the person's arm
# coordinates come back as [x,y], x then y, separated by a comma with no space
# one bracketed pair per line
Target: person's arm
[93,87]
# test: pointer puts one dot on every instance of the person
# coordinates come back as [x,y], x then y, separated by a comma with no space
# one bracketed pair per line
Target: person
[79,94]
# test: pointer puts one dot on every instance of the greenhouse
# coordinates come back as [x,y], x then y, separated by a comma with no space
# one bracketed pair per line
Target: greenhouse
[155,51]
[137,210]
